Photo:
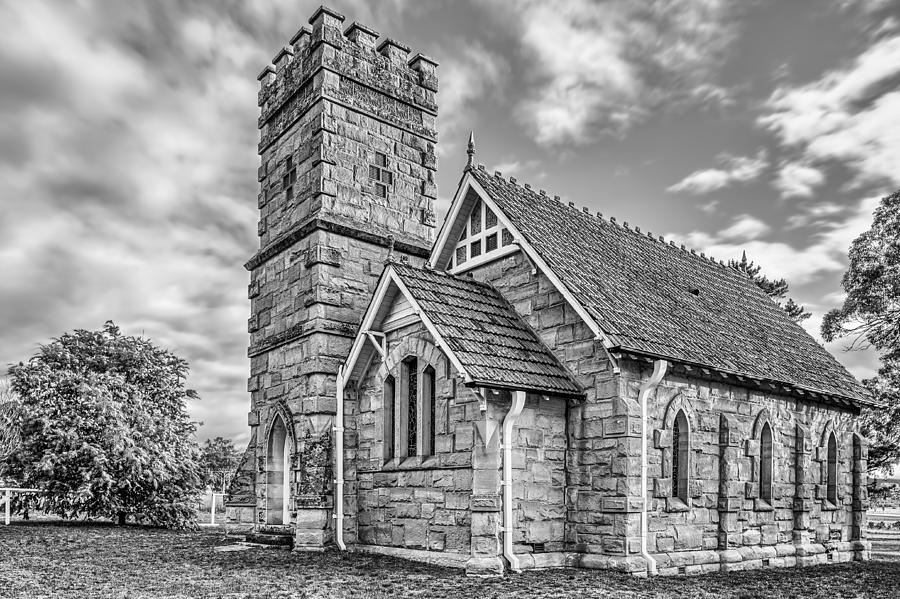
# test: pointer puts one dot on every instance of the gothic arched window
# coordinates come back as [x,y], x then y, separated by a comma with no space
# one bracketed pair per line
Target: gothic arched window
[765,463]
[831,493]
[428,408]
[680,457]
[411,388]
[390,402]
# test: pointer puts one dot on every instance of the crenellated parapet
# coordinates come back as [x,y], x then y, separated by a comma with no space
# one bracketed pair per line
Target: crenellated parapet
[350,67]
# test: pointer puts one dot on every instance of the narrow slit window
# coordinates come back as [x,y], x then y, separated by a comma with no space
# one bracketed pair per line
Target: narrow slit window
[680,457]
[289,178]
[428,410]
[765,464]
[412,413]
[390,400]
[832,469]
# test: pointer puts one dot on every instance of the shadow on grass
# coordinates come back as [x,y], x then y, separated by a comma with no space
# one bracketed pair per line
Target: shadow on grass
[83,559]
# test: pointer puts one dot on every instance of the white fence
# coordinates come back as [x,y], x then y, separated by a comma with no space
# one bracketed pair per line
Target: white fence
[7,499]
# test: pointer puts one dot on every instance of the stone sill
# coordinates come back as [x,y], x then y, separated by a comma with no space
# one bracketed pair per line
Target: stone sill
[674,504]
[761,505]
[827,506]
[419,463]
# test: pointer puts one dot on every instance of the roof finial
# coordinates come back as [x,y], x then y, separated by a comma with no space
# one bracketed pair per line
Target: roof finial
[390,256]
[470,151]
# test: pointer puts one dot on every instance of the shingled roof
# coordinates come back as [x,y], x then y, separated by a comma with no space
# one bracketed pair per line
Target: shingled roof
[486,335]
[655,299]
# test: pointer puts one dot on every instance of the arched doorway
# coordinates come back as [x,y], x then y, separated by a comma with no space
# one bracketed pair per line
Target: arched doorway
[278,472]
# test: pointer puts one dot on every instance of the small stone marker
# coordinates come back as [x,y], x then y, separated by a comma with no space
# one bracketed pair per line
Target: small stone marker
[229,548]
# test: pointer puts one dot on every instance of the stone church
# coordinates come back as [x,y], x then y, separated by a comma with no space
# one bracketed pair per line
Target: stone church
[525,385]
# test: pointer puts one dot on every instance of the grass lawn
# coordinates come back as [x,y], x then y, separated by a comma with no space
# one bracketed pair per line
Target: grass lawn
[47,559]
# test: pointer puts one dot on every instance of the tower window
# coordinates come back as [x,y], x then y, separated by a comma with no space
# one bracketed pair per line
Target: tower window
[289,178]
[380,175]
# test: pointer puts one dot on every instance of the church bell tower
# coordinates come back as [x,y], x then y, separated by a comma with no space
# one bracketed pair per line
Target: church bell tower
[347,175]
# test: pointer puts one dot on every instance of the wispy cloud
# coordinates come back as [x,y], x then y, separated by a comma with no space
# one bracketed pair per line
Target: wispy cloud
[848,116]
[470,73]
[732,169]
[598,68]
[127,146]
[824,252]
[797,180]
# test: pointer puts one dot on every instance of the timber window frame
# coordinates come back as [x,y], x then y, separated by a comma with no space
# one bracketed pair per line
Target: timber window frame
[410,419]
[483,238]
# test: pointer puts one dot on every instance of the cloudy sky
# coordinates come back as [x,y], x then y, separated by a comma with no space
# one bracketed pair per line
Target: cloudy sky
[128,135]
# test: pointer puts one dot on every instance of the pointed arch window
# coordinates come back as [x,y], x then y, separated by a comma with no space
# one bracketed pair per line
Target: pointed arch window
[390,403]
[680,457]
[766,458]
[411,393]
[831,489]
[428,408]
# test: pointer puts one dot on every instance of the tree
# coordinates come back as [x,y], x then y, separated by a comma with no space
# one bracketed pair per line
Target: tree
[105,431]
[871,311]
[9,416]
[882,426]
[219,459]
[870,315]
[776,289]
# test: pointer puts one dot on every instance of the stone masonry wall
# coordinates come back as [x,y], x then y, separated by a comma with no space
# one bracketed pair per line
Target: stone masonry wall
[601,489]
[726,526]
[725,513]
[417,502]
[539,476]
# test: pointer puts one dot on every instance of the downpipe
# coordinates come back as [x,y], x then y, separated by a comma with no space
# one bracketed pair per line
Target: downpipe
[650,385]
[339,465]
[518,402]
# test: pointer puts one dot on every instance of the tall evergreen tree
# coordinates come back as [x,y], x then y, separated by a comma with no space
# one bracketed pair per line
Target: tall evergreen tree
[777,289]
